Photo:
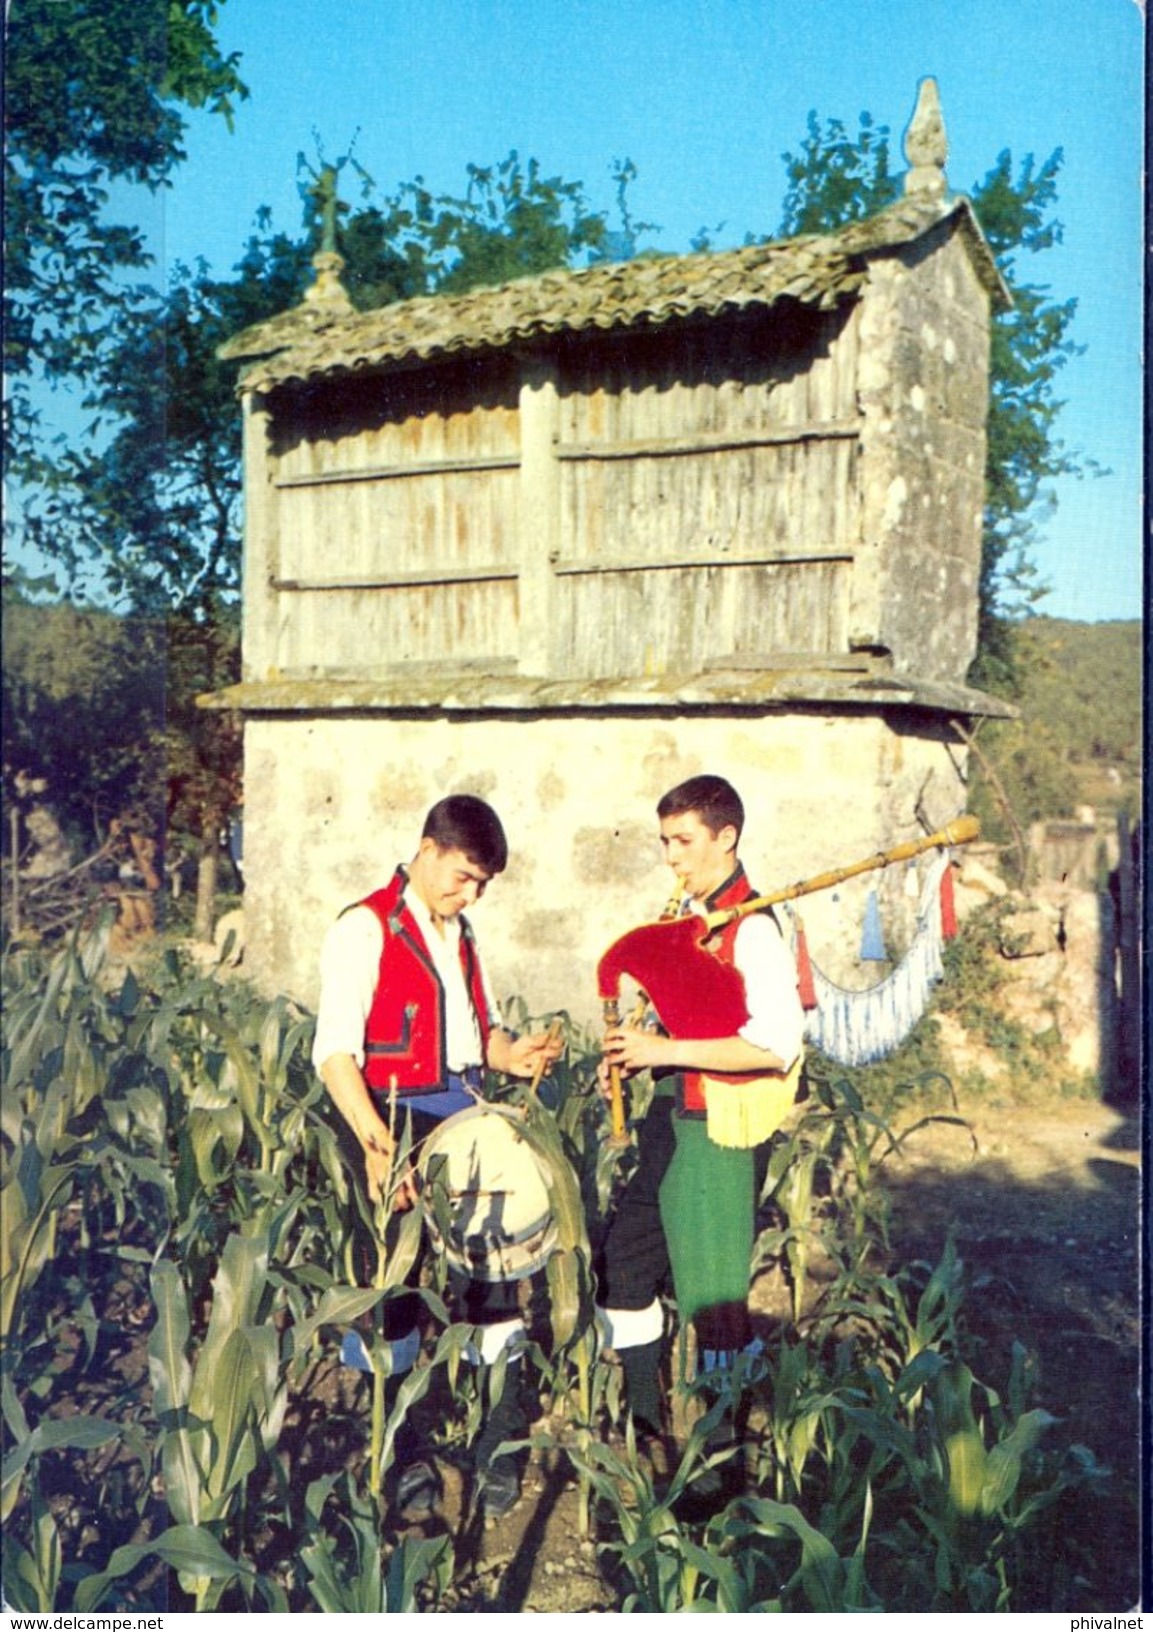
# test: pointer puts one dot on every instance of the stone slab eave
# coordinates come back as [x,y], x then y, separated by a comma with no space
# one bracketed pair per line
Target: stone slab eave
[744,690]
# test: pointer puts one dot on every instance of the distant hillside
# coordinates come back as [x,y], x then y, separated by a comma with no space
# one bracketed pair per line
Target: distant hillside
[1084,682]
[1079,738]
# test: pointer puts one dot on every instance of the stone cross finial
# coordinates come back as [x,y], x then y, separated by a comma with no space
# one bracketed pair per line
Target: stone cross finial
[327,291]
[324,191]
[926,146]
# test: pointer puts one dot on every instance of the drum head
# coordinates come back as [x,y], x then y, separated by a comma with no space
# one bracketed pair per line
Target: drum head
[488,1210]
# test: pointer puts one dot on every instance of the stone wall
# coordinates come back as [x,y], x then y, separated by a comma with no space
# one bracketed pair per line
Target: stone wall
[923,387]
[332,804]
[1058,950]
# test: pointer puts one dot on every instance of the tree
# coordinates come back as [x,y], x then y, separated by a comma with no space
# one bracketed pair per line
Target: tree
[92,96]
[837,178]
[512,222]
[83,710]
[203,750]
[1029,347]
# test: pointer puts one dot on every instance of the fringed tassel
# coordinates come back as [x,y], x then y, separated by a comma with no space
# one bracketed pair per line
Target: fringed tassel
[743,1114]
[858,1028]
[948,905]
[806,991]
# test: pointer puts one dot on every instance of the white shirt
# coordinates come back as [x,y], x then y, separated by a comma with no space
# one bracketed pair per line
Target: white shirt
[776,1019]
[349,964]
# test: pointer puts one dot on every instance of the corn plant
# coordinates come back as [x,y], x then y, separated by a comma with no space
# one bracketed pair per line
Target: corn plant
[220,1413]
[172,1131]
[983,1491]
[32,1574]
[82,1125]
[823,1179]
[564,1126]
[349,1570]
[82,1130]
[660,1558]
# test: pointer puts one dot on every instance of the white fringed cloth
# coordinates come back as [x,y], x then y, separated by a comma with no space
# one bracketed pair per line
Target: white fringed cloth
[861,1027]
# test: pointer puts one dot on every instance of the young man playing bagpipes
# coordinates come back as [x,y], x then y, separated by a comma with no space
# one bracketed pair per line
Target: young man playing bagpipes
[689,1208]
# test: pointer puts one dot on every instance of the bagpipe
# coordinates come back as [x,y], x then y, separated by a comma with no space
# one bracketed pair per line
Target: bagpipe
[694,993]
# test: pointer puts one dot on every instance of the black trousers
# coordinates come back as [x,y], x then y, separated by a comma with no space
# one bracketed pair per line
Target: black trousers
[633,1266]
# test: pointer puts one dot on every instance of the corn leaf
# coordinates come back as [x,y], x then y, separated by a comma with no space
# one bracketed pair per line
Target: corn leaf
[233,1455]
[184,1547]
[965,1452]
[339,1306]
[416,1558]
[1006,1459]
[237,1288]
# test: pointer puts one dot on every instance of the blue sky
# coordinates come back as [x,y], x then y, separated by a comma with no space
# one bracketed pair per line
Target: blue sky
[704,96]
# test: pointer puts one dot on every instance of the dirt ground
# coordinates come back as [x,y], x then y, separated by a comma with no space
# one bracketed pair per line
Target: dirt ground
[1045,1212]
[1048,1218]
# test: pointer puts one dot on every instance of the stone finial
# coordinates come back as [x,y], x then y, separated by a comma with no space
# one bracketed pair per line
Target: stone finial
[926,146]
[327,291]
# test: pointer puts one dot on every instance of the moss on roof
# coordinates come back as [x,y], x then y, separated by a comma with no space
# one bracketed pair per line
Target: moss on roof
[316,338]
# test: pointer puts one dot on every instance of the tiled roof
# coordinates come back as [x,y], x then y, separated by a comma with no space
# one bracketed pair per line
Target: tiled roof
[315,339]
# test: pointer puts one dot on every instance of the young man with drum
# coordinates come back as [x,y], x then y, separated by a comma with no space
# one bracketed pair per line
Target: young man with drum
[405,1005]
[690,1204]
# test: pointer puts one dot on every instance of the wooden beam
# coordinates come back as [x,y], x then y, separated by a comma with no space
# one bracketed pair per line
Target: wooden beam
[539,513]
[574,566]
[403,580]
[391,473]
[673,447]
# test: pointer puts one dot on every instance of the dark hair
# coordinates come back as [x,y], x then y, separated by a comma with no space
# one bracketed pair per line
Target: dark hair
[463,822]
[715,801]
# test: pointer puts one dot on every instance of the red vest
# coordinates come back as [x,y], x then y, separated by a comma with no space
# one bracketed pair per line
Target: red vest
[404,1036]
[722,944]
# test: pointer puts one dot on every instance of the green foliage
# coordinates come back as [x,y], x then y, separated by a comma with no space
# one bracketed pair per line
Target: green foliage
[511,222]
[1030,345]
[916,1491]
[92,96]
[348,1571]
[1082,682]
[973,992]
[93,93]
[103,710]
[83,709]
[1079,735]
[176,1125]
[171,1130]
[837,178]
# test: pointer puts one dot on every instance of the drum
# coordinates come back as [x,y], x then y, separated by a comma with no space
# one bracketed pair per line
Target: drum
[487,1197]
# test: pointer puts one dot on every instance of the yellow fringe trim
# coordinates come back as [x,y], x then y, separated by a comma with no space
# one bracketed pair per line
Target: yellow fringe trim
[743,1114]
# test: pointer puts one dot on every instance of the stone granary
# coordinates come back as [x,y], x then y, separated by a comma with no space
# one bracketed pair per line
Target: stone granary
[564,542]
